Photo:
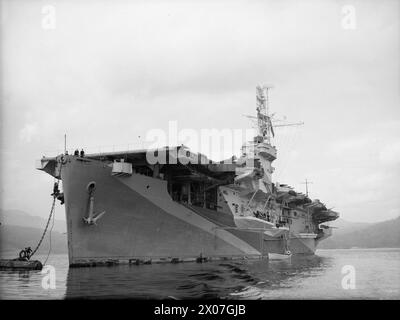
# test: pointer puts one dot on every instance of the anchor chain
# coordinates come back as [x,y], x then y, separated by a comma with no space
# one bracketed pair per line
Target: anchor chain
[47,226]
[27,253]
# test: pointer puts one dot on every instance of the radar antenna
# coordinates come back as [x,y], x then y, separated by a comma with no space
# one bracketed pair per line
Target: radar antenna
[265,121]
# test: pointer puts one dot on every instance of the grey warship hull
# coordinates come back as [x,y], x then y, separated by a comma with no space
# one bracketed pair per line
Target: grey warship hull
[143,224]
[172,205]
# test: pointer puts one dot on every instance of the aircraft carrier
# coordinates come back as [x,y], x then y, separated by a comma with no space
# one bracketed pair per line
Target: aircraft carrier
[173,205]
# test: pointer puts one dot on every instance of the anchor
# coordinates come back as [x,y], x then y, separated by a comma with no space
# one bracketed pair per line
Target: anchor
[92,217]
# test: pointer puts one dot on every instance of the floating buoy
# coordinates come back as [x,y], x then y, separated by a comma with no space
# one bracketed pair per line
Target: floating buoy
[18,264]
[24,262]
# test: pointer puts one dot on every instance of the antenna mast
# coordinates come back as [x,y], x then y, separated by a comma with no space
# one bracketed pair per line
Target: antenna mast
[263,117]
[307,183]
[266,88]
[266,122]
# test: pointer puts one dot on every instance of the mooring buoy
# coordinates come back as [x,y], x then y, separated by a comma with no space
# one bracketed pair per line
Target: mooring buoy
[17,264]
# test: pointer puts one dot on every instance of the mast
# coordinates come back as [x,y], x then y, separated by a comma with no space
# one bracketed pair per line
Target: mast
[262,148]
[264,151]
[264,120]
[307,183]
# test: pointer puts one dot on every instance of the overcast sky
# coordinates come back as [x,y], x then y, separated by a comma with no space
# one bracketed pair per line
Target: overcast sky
[110,71]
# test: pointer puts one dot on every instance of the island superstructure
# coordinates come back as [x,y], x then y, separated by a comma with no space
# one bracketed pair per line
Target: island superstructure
[172,205]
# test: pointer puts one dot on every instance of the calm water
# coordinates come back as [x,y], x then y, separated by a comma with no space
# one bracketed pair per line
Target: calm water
[316,277]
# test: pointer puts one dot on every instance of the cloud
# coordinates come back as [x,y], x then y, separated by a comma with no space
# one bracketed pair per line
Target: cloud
[28,132]
[390,154]
[354,144]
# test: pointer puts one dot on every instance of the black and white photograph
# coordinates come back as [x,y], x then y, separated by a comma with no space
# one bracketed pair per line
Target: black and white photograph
[204,151]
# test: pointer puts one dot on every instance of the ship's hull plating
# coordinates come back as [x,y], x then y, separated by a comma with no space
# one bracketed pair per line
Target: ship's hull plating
[142,223]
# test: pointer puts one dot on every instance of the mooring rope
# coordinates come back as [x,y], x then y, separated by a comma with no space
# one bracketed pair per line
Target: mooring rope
[47,225]
[51,229]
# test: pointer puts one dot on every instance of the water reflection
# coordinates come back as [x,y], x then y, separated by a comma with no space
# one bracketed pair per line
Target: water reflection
[307,277]
[189,280]
[24,276]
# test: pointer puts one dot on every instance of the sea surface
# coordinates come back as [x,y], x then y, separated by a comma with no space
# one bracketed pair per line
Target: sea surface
[330,274]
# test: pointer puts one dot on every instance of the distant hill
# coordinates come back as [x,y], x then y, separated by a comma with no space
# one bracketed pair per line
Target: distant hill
[18,230]
[15,238]
[23,219]
[347,226]
[384,234]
